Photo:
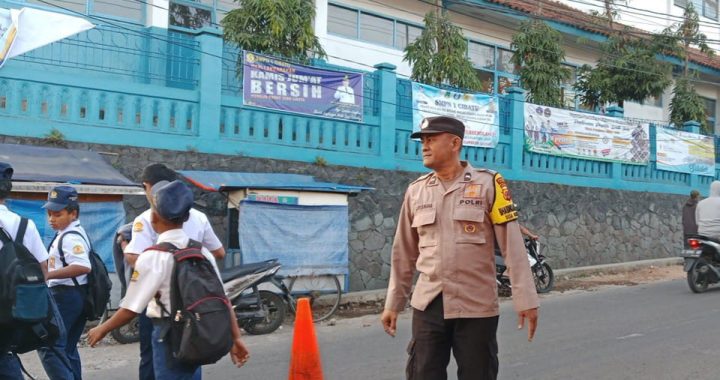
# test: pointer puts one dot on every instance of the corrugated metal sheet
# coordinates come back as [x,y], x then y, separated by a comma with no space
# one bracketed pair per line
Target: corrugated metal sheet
[221,181]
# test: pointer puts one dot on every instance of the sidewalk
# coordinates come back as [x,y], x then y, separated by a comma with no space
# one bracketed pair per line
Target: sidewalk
[378,295]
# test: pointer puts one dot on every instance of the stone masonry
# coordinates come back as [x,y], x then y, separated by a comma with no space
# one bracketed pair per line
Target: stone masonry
[579,226]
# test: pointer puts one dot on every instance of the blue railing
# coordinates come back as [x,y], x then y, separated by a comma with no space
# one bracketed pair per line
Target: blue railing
[138,90]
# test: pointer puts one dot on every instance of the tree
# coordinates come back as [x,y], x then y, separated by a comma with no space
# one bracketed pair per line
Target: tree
[439,55]
[627,69]
[539,54]
[281,28]
[686,105]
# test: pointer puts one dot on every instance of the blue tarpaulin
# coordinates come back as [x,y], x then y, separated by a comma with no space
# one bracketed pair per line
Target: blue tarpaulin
[100,220]
[306,239]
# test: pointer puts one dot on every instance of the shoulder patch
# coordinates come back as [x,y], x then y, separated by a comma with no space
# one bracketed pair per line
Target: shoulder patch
[78,249]
[493,172]
[134,276]
[503,208]
[138,227]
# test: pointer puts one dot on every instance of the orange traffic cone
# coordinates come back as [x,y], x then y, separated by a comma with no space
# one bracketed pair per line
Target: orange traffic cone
[305,355]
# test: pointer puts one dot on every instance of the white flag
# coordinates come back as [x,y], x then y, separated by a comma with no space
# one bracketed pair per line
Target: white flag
[22,30]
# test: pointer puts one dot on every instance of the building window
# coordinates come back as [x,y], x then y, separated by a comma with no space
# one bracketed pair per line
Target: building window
[504,61]
[487,78]
[567,89]
[376,29]
[710,109]
[126,10]
[372,28]
[342,21]
[481,55]
[710,9]
[189,15]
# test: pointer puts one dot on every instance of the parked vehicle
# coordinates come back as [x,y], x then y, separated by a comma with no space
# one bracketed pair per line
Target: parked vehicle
[541,270]
[702,262]
[257,311]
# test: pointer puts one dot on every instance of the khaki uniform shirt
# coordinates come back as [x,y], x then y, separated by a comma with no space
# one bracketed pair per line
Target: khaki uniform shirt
[447,236]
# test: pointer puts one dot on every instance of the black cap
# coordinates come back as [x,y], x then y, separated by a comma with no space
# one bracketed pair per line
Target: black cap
[6,171]
[155,173]
[172,200]
[440,124]
[61,197]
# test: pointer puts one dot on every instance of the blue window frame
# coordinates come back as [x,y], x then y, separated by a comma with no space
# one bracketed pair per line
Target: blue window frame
[189,15]
[370,27]
[710,111]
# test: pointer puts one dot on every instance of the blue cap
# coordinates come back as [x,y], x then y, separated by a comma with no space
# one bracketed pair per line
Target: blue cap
[61,197]
[6,171]
[171,200]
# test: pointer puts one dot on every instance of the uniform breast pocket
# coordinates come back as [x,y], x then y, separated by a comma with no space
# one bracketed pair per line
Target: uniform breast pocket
[469,225]
[424,223]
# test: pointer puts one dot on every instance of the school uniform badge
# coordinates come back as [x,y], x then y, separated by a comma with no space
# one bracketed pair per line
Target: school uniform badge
[138,227]
[78,249]
[134,276]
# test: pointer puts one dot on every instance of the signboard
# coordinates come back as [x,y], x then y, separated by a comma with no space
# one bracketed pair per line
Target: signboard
[568,133]
[479,112]
[281,199]
[685,152]
[272,83]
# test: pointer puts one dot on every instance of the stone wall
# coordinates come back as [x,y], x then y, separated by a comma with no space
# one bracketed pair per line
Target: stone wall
[579,226]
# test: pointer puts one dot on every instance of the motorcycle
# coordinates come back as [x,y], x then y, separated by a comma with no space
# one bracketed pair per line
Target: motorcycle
[257,311]
[702,262]
[541,270]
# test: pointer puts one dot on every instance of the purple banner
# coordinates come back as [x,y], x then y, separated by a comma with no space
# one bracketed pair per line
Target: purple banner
[273,83]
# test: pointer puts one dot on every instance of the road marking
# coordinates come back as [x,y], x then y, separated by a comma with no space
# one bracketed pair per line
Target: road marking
[629,336]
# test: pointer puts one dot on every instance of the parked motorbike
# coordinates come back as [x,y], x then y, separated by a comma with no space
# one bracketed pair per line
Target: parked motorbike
[541,270]
[257,311]
[702,262]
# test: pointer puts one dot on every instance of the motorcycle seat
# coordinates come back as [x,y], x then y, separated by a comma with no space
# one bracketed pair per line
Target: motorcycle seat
[246,269]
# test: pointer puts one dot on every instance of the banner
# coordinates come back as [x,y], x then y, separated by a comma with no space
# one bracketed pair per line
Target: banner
[685,152]
[22,30]
[273,83]
[479,112]
[567,133]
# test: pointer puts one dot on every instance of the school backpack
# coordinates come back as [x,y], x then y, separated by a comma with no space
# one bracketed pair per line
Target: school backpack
[200,326]
[98,281]
[26,317]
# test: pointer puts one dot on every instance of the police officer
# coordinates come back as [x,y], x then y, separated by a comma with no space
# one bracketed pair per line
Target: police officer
[150,283]
[445,231]
[197,227]
[9,223]
[68,266]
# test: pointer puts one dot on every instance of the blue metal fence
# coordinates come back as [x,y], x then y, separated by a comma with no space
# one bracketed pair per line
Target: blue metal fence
[168,90]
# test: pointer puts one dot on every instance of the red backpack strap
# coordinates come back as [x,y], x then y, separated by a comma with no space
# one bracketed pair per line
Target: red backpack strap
[164,247]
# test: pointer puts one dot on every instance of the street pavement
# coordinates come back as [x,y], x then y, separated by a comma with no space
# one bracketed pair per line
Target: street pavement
[654,331]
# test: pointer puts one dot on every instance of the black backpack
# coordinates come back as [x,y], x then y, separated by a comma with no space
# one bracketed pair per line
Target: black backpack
[200,329]
[26,322]
[98,282]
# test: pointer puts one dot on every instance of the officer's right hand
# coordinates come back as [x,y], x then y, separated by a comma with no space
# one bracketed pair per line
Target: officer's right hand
[389,321]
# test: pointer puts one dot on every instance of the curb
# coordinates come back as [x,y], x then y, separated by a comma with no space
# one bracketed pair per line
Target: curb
[378,295]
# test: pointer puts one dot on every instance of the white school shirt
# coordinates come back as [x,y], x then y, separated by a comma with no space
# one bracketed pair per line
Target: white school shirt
[76,251]
[152,274]
[10,222]
[197,227]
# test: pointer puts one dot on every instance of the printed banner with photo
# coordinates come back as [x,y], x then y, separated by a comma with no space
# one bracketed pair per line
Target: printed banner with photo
[479,112]
[685,152]
[567,133]
[269,82]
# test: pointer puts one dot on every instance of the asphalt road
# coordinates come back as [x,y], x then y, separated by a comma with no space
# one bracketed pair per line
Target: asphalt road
[655,331]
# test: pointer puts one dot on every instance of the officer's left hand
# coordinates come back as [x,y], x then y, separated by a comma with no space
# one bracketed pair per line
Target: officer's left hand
[532,317]
[95,335]
[239,354]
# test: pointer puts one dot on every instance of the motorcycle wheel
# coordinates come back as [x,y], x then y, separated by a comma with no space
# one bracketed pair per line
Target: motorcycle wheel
[275,308]
[127,334]
[696,278]
[544,278]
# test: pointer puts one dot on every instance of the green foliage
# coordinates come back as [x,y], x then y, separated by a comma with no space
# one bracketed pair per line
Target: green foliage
[320,161]
[627,70]
[55,137]
[539,54]
[282,28]
[439,55]
[686,105]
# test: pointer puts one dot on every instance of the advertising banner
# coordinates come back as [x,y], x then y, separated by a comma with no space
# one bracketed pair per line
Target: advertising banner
[685,152]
